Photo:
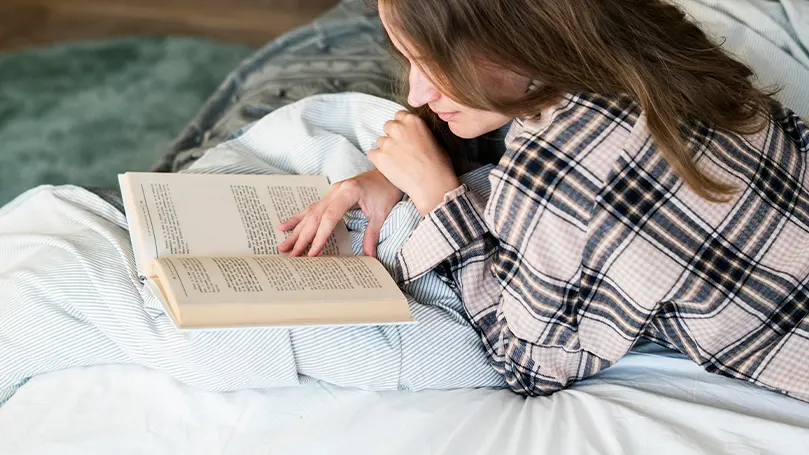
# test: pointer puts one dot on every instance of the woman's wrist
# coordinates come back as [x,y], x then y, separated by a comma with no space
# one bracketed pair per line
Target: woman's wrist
[435,196]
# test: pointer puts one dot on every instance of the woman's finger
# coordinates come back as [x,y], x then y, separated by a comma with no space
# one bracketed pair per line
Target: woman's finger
[293,238]
[332,216]
[295,225]
[389,127]
[401,116]
[287,244]
[371,238]
[306,235]
[290,224]
[380,143]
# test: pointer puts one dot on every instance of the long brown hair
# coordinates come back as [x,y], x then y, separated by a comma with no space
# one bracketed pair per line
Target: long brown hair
[645,49]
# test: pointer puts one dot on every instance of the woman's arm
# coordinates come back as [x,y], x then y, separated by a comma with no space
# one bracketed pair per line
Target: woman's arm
[537,288]
[454,239]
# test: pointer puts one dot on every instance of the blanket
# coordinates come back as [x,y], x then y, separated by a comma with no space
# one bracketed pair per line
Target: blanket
[345,51]
[70,296]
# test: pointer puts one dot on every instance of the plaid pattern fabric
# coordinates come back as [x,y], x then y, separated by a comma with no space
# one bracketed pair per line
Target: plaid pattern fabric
[589,241]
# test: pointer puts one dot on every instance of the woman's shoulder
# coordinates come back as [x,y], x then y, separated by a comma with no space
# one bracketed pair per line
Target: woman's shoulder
[578,109]
[585,130]
[794,127]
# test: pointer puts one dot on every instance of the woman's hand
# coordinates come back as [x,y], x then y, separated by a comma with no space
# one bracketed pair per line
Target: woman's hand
[375,196]
[411,159]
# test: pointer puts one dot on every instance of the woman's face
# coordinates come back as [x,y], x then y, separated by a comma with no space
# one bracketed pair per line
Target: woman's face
[463,121]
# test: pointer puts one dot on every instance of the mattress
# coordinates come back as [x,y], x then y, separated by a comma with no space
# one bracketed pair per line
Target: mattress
[652,402]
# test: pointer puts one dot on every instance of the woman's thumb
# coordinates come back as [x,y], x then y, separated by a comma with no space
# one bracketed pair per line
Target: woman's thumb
[371,238]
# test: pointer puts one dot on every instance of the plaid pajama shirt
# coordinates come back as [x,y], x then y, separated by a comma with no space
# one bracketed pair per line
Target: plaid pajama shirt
[589,241]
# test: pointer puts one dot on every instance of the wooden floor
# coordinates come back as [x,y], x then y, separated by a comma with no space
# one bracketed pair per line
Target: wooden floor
[27,23]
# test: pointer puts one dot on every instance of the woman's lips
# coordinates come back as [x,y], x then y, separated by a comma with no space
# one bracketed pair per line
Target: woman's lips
[447,116]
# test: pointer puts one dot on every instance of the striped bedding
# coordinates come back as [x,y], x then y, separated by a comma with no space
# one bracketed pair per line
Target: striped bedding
[69,294]
[345,51]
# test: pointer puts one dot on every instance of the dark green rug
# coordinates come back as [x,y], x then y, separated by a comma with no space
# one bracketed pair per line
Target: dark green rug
[82,112]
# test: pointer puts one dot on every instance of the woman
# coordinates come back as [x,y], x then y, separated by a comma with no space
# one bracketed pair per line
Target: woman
[648,190]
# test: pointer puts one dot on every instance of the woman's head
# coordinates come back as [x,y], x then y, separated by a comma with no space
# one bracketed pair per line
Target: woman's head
[477,57]
[423,91]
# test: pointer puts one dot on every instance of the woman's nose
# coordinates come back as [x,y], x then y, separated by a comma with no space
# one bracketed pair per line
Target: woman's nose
[422,91]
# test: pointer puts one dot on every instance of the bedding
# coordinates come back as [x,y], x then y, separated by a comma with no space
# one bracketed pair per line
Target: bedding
[345,51]
[70,297]
[652,401]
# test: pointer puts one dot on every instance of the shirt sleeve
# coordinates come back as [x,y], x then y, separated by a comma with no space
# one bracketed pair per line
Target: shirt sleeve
[455,224]
[536,320]
[455,238]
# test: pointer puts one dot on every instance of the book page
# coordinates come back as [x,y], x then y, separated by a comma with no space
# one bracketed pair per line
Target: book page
[274,279]
[217,214]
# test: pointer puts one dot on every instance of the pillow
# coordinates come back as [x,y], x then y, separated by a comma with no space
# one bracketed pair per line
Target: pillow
[344,50]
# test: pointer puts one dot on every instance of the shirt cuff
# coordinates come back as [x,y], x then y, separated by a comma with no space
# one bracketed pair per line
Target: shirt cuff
[454,224]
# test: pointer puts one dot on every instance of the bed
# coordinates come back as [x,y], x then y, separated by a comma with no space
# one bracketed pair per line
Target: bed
[653,401]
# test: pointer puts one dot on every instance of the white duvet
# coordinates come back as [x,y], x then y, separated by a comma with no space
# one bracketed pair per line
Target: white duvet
[70,296]
[649,403]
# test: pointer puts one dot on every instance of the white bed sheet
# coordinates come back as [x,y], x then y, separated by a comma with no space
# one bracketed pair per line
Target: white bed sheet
[653,402]
[649,403]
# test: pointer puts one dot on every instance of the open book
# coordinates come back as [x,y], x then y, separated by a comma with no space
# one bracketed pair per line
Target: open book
[207,246]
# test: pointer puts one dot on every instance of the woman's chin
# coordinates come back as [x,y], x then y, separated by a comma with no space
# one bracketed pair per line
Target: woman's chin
[465,131]
[470,128]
